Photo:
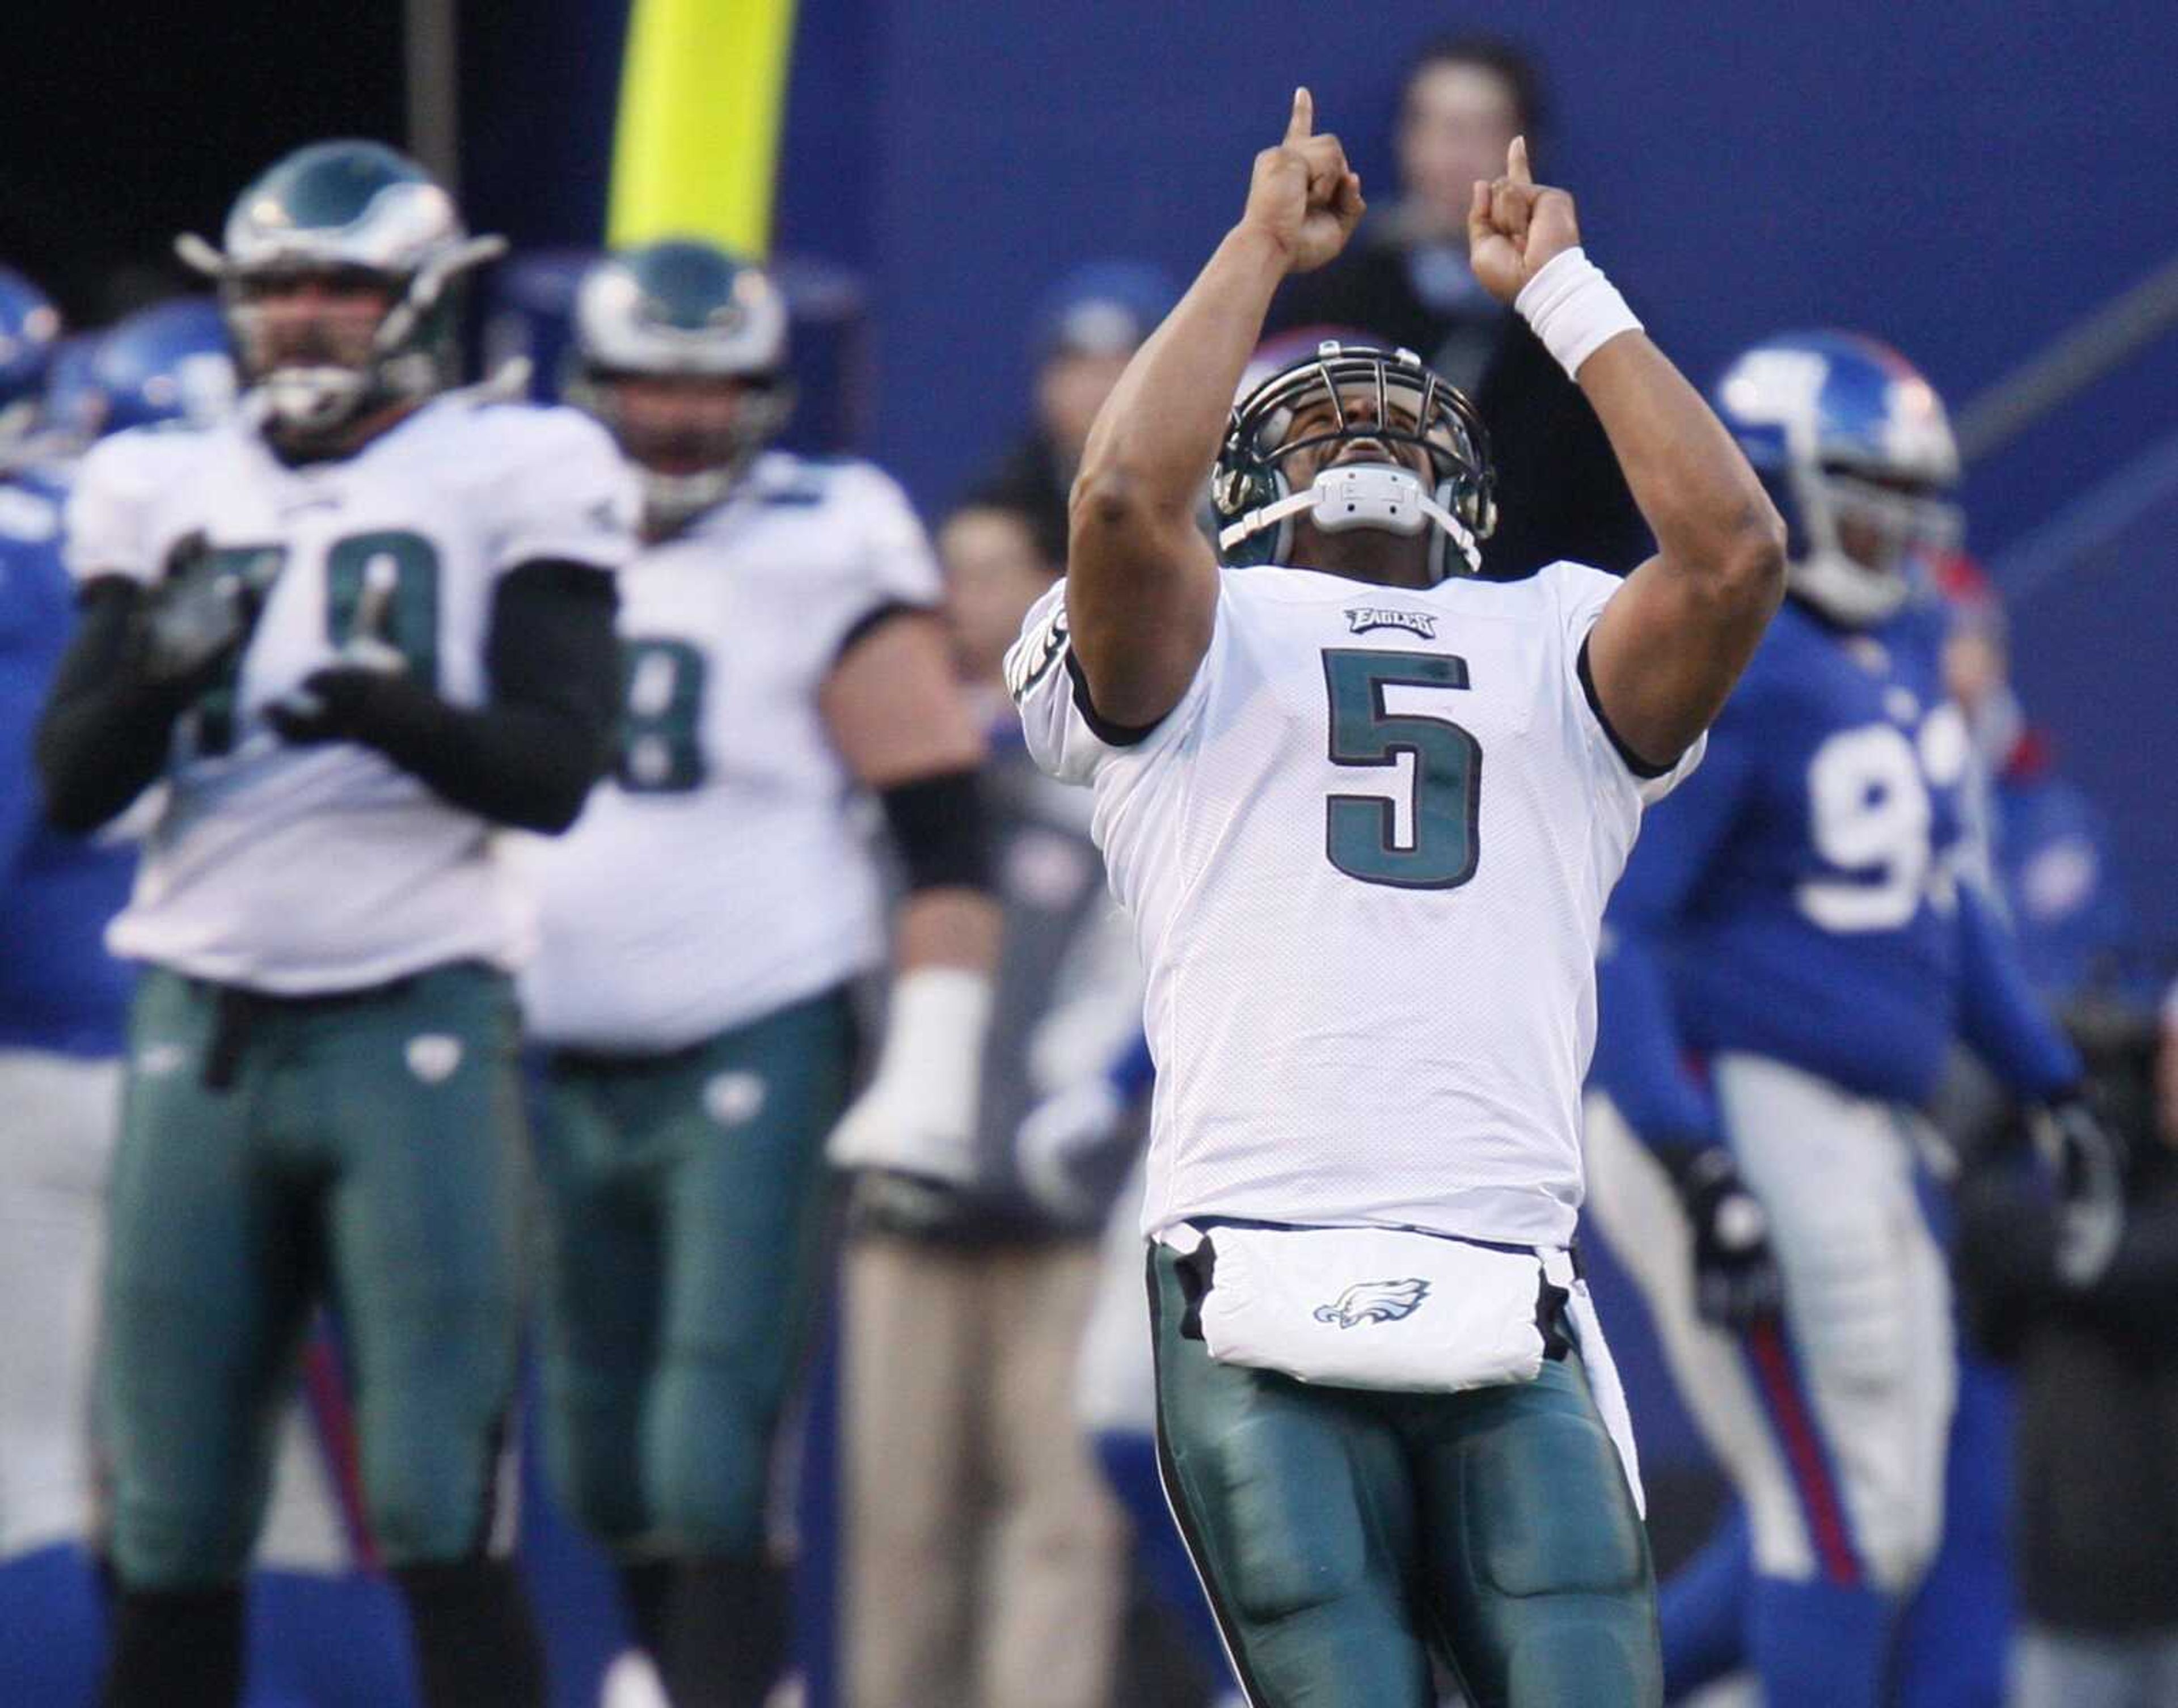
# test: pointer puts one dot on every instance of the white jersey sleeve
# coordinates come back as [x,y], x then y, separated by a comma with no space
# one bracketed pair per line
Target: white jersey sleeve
[1065,735]
[892,564]
[566,494]
[108,528]
[1582,594]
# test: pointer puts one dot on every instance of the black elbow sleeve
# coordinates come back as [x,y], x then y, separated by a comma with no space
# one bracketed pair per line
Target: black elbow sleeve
[941,829]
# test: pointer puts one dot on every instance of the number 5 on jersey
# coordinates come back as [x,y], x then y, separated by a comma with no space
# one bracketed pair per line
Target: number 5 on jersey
[1444,802]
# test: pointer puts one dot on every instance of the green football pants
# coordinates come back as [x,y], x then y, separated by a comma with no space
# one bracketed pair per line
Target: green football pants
[686,1209]
[364,1148]
[1346,1536]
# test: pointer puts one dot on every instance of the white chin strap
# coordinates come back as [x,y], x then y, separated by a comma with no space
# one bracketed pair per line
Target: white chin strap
[308,399]
[1363,495]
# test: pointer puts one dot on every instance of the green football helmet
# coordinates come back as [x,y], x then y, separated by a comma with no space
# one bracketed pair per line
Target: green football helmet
[353,213]
[679,308]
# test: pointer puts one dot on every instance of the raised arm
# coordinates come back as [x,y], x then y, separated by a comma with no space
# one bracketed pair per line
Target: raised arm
[1141,583]
[1674,639]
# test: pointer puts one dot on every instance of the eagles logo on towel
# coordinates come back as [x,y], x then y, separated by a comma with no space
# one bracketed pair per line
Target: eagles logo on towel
[1375,1301]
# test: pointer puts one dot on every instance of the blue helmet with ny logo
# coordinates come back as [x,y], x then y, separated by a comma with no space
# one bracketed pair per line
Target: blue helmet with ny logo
[1857,450]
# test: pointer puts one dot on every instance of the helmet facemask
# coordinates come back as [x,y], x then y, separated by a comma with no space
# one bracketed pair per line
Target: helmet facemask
[1413,409]
[1863,538]
[686,468]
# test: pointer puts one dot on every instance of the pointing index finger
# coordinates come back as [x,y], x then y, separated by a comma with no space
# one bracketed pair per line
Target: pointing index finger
[1303,121]
[1516,162]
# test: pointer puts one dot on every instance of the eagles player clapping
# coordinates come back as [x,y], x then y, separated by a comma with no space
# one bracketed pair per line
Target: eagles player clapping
[353,631]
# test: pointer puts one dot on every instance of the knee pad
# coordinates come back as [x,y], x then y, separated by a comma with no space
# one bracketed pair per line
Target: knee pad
[432,1503]
[1282,1529]
[1546,1511]
[707,1457]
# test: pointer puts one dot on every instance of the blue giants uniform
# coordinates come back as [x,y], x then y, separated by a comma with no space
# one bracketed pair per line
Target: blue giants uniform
[1789,960]
[62,1004]
[1800,900]
[60,991]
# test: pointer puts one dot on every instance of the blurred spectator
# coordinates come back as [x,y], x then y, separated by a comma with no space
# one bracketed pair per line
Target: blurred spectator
[1083,330]
[1406,279]
[2097,1461]
[2049,847]
[985,1560]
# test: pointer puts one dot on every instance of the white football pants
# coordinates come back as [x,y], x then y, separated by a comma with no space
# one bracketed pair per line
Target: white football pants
[1833,1429]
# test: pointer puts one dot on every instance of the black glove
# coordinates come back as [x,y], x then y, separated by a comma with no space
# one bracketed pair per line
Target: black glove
[350,702]
[1737,1281]
[2088,1160]
[199,613]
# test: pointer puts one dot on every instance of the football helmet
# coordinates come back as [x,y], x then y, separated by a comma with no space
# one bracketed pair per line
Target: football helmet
[29,328]
[352,211]
[171,361]
[1252,497]
[1858,453]
[686,309]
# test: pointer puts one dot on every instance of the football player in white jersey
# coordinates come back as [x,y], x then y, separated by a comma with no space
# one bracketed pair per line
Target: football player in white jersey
[1365,809]
[352,630]
[783,654]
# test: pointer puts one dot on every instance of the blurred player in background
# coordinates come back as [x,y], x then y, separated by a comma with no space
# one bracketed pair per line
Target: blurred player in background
[322,1631]
[1408,280]
[984,1558]
[63,1004]
[1387,1415]
[352,630]
[781,653]
[1797,918]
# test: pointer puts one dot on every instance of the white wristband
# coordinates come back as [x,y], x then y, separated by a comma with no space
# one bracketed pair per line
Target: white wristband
[1573,309]
[917,1115]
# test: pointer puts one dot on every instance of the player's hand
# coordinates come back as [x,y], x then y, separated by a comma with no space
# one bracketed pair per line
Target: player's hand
[1065,1131]
[343,702]
[1304,196]
[2088,1161]
[1516,226]
[1737,1281]
[896,1128]
[195,618]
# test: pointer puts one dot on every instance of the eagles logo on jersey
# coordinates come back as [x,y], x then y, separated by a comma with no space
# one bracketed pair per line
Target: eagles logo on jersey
[1037,652]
